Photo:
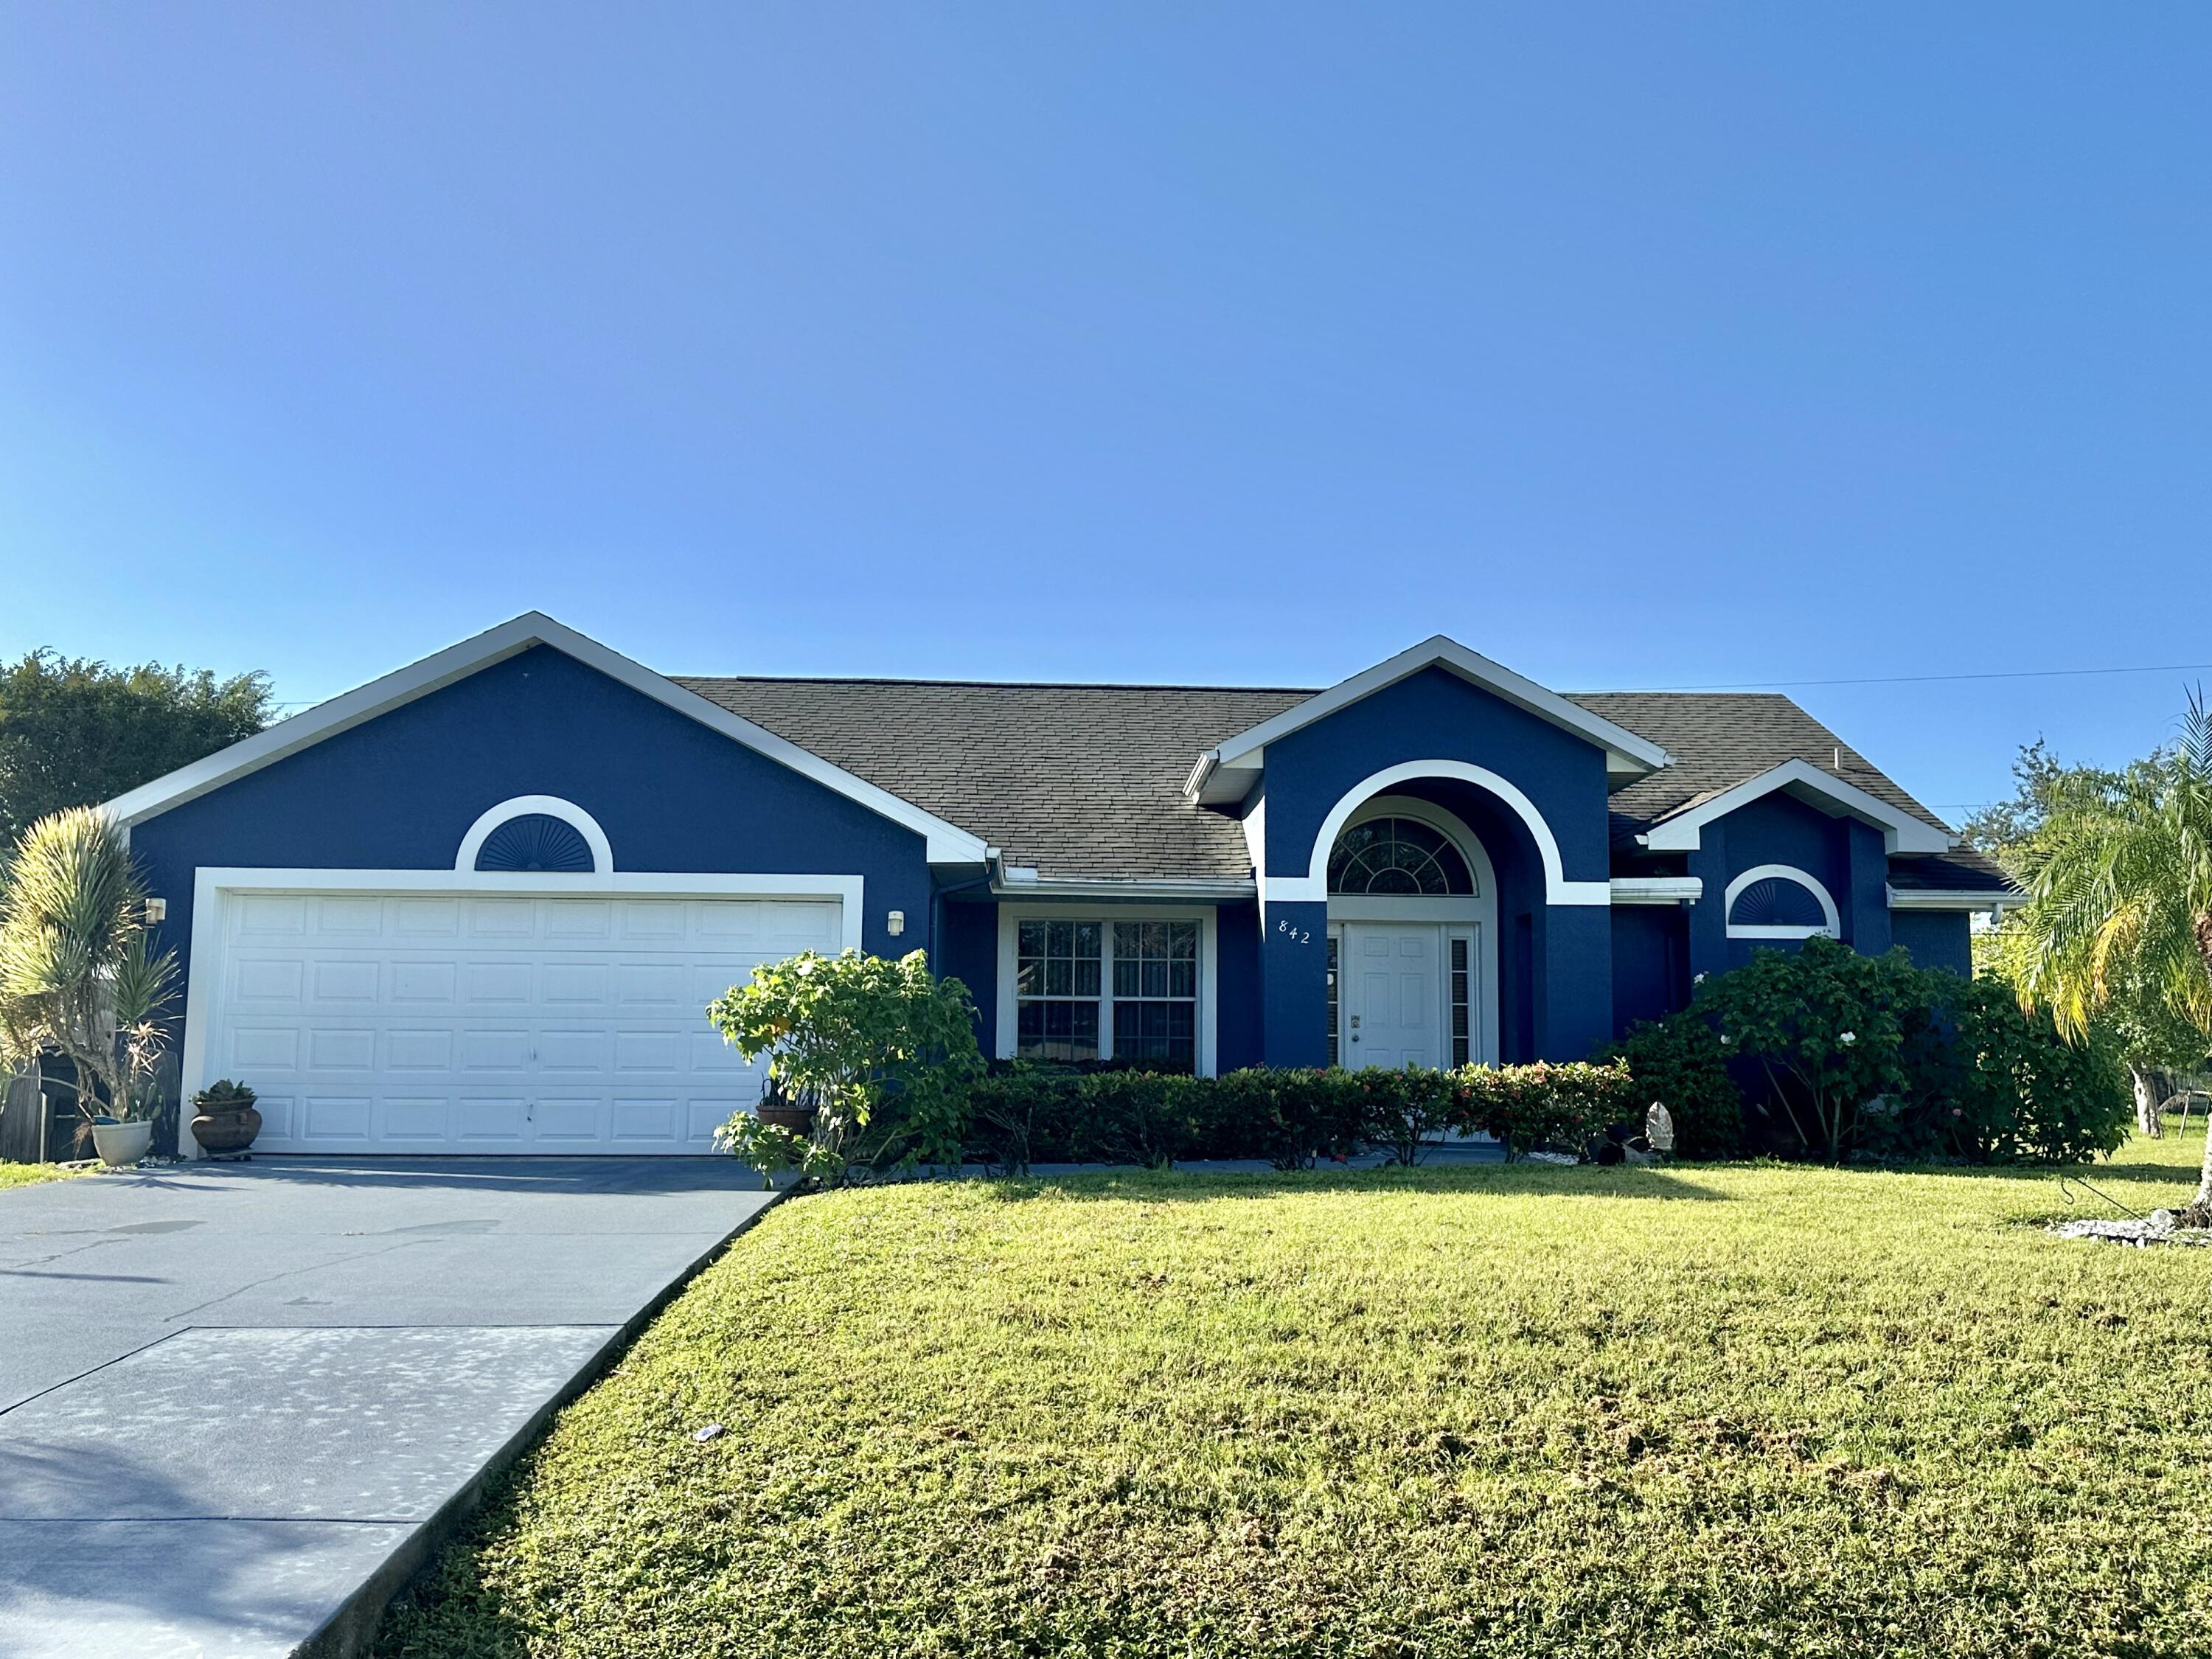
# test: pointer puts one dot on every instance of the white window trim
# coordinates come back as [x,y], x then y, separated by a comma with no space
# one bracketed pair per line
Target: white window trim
[1833,929]
[214,888]
[1010,916]
[552,806]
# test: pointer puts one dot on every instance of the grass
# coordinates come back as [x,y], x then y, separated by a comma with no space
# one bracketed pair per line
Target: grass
[1703,1410]
[28,1174]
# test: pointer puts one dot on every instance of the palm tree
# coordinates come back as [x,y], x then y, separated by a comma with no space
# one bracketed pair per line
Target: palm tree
[2121,893]
[76,974]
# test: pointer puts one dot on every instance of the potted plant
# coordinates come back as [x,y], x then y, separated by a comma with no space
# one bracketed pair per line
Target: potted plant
[779,1108]
[77,978]
[226,1120]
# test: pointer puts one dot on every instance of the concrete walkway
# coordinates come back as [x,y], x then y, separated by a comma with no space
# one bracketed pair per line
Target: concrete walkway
[237,1399]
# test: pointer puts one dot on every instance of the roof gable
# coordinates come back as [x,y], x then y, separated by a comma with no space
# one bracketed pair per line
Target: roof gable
[1226,773]
[946,842]
[1903,834]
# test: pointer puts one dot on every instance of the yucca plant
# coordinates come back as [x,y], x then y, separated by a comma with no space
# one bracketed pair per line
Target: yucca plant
[2120,891]
[77,976]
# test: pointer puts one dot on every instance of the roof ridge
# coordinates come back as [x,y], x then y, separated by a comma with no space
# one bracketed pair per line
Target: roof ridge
[996,685]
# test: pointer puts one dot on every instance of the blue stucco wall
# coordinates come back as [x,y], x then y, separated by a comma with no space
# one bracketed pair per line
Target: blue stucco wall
[399,791]
[967,950]
[1237,1039]
[1936,938]
[1650,962]
[1563,1004]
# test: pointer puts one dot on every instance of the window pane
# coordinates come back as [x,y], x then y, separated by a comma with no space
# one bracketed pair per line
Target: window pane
[1058,978]
[1086,976]
[1059,1030]
[1086,940]
[1157,1031]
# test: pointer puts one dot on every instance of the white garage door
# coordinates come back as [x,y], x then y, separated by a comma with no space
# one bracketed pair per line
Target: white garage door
[428,1023]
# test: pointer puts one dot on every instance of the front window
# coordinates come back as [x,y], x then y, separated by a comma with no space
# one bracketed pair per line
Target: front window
[1401,856]
[1098,990]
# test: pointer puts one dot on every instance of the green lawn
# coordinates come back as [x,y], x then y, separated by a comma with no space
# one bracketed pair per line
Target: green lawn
[1713,1410]
[26,1175]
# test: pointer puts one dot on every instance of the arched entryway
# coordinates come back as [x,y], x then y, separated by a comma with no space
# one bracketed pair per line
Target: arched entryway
[1413,939]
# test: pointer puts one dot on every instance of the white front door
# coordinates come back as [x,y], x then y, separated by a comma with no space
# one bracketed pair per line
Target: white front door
[469,1023]
[1394,998]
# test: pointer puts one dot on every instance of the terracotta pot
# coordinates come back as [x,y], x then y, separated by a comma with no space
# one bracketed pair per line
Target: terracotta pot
[226,1128]
[121,1144]
[799,1120]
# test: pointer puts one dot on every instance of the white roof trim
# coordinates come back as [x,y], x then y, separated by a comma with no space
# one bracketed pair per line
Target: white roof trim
[1901,832]
[947,843]
[1944,899]
[1626,753]
[1021,884]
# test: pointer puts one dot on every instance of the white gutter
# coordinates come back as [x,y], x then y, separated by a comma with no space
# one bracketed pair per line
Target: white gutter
[1657,889]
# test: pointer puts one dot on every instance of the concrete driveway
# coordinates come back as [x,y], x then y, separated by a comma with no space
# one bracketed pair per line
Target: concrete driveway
[240,1403]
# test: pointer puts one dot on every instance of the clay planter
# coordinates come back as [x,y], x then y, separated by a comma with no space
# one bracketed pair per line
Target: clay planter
[227,1129]
[120,1145]
[799,1120]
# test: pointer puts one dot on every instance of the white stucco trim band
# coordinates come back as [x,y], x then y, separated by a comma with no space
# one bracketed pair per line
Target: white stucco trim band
[1969,898]
[947,843]
[1657,889]
[552,806]
[1312,888]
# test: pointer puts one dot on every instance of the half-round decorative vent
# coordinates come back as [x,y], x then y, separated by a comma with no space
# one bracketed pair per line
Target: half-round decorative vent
[1776,901]
[536,841]
[1397,855]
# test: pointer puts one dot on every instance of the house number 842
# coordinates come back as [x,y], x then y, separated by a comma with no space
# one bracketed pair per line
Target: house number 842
[1295,935]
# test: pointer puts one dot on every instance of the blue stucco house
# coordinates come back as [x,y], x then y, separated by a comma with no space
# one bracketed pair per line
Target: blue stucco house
[479,904]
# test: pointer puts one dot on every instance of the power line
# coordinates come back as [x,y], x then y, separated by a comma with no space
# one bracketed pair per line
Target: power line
[1930,679]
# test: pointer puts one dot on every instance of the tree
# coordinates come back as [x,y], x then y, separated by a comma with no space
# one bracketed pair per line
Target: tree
[75,733]
[2120,898]
[2136,1016]
[75,976]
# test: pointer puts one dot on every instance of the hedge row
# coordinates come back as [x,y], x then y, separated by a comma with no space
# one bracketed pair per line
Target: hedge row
[1026,1113]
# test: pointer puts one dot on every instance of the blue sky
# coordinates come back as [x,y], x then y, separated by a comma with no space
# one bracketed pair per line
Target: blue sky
[1634,346]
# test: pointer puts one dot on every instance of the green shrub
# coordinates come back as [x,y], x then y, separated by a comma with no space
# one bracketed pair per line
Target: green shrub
[1824,1029]
[1990,1084]
[1289,1117]
[884,1051]
[1402,1110]
[1846,1055]
[1527,1106]
[1679,1064]
[1151,1118]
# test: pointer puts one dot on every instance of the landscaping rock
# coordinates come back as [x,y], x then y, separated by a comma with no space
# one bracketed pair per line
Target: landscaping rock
[2159,1227]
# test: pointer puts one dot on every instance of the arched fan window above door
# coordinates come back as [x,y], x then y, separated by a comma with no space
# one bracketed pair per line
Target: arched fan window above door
[1397,856]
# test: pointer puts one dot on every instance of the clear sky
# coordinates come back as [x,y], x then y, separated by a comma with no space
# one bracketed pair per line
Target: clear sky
[1634,346]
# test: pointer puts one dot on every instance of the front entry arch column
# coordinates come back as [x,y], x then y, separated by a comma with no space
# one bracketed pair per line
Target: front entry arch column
[1546,940]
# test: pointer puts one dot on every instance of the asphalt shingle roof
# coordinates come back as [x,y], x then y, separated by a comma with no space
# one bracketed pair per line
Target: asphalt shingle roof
[1086,780]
